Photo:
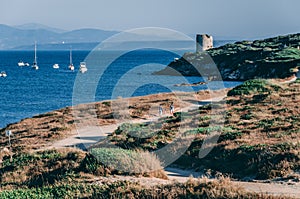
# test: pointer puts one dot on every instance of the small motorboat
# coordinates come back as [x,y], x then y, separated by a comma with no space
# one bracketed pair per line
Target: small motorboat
[21,63]
[55,66]
[3,74]
[82,67]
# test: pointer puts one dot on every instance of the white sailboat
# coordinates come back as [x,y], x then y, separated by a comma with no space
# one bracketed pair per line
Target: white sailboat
[82,67]
[3,74]
[71,66]
[34,65]
[56,66]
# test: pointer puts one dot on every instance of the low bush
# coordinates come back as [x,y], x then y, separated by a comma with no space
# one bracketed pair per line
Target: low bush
[127,161]
[255,86]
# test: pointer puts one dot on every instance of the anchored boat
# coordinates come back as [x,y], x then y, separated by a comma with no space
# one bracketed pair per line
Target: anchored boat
[3,74]
[82,67]
[21,63]
[56,66]
[34,65]
[71,66]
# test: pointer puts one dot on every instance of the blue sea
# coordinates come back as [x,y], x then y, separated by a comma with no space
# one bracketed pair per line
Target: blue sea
[26,92]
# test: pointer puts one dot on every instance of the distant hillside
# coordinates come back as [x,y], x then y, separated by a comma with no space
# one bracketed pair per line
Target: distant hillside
[59,46]
[26,35]
[268,58]
[34,26]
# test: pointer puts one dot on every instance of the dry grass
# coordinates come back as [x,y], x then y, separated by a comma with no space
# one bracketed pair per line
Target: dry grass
[205,189]
[67,165]
[193,188]
[126,162]
[40,168]
[259,138]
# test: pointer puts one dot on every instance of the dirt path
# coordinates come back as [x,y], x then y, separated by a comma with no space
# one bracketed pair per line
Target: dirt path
[87,136]
[182,176]
[278,189]
[84,137]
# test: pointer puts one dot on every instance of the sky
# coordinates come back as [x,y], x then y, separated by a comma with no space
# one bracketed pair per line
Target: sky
[221,18]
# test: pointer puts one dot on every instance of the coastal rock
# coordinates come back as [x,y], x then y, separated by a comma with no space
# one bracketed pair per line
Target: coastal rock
[193,84]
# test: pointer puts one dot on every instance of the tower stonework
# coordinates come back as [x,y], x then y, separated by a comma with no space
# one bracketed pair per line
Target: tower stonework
[203,42]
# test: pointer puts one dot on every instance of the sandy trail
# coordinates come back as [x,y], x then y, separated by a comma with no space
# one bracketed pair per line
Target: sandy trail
[182,176]
[277,189]
[86,136]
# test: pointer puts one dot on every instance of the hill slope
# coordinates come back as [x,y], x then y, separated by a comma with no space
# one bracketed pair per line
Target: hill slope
[258,140]
[268,58]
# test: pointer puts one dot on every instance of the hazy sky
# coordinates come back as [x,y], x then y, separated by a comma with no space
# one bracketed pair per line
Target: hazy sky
[226,18]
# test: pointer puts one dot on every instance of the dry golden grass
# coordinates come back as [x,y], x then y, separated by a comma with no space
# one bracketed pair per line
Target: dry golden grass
[259,138]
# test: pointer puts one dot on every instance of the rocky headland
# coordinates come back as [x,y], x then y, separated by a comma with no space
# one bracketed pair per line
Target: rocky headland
[276,57]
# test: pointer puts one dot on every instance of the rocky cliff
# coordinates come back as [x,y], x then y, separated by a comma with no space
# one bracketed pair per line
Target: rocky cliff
[276,57]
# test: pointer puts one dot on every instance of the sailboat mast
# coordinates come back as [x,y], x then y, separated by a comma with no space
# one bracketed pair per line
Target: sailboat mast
[71,56]
[35,59]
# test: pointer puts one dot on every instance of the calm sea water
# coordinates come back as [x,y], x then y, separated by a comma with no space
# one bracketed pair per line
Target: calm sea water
[26,92]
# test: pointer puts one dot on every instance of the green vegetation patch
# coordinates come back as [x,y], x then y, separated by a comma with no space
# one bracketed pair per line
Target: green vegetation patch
[58,191]
[285,55]
[147,137]
[135,130]
[221,188]
[40,168]
[255,86]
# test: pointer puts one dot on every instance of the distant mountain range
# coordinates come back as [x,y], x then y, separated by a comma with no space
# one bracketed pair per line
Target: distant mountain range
[20,37]
[34,26]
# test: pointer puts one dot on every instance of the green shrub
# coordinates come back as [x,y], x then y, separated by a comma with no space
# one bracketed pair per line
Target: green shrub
[135,130]
[40,168]
[247,116]
[106,103]
[287,54]
[208,130]
[89,164]
[250,87]
[230,135]
[127,161]
[57,191]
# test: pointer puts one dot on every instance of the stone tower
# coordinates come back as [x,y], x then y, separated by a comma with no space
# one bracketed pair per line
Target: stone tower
[203,42]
